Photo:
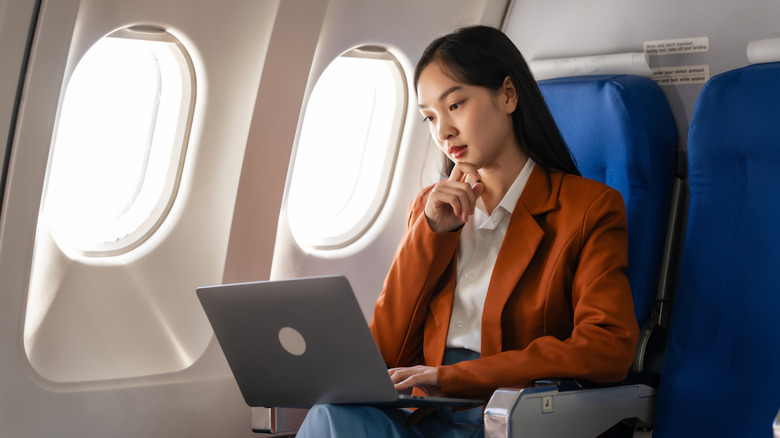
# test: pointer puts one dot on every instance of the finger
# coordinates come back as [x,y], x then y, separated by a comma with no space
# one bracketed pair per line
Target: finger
[397,374]
[465,193]
[477,189]
[472,178]
[424,379]
[459,196]
[405,375]
[409,382]
[442,198]
[456,174]
[459,202]
[400,375]
[462,172]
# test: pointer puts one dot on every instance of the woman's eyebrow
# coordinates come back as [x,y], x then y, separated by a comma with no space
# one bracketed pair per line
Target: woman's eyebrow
[444,95]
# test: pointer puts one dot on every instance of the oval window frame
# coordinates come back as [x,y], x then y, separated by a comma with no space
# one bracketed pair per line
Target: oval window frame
[179,138]
[368,215]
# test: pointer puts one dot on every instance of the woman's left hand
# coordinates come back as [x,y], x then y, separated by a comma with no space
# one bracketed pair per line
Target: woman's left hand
[423,377]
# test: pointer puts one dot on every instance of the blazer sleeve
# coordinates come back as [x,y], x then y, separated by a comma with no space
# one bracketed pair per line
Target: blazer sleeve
[420,261]
[601,345]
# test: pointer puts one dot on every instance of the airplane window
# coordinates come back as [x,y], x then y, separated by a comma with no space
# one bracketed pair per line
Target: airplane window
[347,148]
[119,142]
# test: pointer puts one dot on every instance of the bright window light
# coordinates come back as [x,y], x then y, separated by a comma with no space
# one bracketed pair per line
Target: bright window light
[347,148]
[119,144]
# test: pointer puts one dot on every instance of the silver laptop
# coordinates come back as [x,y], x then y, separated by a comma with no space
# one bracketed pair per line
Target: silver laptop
[299,342]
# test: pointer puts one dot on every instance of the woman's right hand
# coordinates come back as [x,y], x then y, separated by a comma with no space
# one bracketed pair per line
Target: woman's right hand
[452,201]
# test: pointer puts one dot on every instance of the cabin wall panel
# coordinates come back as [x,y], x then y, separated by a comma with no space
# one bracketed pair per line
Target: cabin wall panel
[227,41]
[81,317]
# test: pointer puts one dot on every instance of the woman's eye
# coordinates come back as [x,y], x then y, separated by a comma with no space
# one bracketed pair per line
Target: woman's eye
[427,118]
[454,106]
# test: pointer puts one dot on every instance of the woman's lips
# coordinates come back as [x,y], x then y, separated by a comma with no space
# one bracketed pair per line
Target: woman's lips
[457,152]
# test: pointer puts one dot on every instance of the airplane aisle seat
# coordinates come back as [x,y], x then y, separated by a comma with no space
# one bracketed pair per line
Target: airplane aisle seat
[621,132]
[721,377]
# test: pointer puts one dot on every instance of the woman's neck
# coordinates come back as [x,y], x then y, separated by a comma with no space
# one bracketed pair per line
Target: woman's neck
[499,178]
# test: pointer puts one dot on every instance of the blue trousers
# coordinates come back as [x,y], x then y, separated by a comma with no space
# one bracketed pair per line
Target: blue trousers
[350,421]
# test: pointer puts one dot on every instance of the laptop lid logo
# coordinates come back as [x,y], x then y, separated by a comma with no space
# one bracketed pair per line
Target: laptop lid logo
[292,341]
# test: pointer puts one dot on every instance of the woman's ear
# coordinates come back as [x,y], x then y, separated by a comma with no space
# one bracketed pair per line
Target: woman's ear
[510,95]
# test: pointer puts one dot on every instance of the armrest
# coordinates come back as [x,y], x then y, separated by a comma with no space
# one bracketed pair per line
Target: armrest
[544,411]
[648,378]
[277,421]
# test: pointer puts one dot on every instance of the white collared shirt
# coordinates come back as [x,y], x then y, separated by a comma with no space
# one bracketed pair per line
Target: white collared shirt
[480,241]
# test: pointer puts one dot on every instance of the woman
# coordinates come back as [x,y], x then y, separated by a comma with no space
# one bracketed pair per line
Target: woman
[512,268]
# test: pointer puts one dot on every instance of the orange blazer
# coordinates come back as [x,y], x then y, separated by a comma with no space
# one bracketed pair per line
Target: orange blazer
[558,304]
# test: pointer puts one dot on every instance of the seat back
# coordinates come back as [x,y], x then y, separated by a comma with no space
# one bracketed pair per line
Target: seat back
[621,132]
[721,375]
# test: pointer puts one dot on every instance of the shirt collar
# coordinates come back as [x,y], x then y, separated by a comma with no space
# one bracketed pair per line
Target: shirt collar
[508,203]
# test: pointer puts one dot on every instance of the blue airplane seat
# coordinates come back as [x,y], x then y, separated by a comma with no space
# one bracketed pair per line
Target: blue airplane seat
[621,132]
[721,377]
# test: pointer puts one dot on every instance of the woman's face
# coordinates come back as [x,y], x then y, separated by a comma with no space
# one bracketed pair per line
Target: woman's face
[469,123]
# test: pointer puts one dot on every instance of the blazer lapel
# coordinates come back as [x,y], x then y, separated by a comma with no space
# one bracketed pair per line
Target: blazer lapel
[520,243]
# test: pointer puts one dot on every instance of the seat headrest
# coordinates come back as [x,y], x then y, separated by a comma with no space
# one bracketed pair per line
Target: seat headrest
[633,63]
[762,51]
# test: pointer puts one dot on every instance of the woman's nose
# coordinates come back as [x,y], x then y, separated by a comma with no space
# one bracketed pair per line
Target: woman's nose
[446,130]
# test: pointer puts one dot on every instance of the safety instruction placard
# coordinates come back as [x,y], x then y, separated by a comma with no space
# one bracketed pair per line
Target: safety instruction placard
[677,46]
[682,75]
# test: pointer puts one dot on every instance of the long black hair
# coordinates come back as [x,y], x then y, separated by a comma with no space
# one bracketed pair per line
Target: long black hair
[485,56]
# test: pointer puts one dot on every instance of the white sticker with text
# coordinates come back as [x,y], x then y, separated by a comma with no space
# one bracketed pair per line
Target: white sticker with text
[683,75]
[678,46]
